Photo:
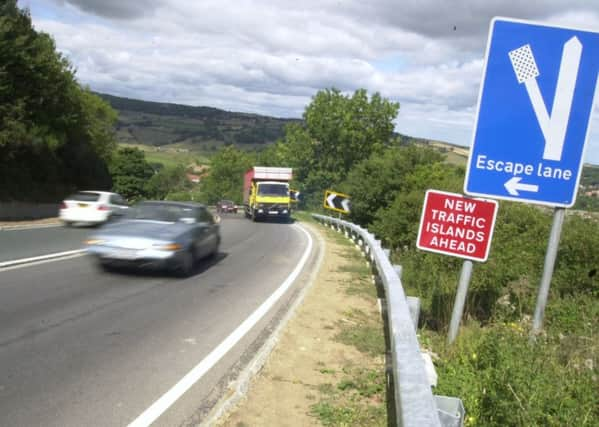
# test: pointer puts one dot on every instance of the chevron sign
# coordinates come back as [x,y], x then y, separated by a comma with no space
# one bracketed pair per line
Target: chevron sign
[337,202]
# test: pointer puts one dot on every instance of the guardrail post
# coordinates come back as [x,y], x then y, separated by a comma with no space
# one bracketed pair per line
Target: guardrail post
[414,306]
[397,269]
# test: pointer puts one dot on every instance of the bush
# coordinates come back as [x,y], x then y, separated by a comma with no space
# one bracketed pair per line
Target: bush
[577,264]
[186,196]
[505,381]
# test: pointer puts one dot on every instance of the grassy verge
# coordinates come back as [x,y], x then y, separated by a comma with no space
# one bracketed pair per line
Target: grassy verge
[356,396]
[302,216]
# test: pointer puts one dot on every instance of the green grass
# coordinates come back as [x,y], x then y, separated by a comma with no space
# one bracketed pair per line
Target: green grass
[303,216]
[358,397]
[331,414]
[363,332]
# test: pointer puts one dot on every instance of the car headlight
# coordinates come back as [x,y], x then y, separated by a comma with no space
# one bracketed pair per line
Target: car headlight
[167,246]
[93,241]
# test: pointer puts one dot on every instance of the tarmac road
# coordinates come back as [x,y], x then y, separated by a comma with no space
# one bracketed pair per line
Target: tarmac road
[82,347]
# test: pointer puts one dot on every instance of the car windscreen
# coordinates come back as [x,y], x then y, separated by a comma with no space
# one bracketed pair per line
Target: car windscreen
[84,197]
[273,190]
[158,212]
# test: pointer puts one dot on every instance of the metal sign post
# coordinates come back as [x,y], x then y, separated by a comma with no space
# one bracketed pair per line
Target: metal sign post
[460,300]
[552,247]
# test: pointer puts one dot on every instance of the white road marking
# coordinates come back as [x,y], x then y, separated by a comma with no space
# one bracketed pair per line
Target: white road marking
[15,263]
[171,396]
[27,227]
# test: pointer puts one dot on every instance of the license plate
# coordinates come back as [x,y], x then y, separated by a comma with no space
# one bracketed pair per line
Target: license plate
[83,205]
[124,254]
[273,212]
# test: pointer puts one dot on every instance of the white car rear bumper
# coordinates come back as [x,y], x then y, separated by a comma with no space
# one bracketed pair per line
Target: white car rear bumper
[89,215]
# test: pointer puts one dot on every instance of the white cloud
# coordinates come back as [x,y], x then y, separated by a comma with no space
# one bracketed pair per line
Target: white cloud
[271,57]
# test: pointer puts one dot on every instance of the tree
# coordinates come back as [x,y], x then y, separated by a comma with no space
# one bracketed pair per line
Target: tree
[37,84]
[55,137]
[97,120]
[225,180]
[375,182]
[338,132]
[130,171]
[346,130]
[167,180]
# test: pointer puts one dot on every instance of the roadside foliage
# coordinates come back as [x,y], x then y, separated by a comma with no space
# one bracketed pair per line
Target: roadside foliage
[56,137]
[500,376]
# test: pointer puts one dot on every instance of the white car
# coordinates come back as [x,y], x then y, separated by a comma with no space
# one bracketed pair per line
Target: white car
[91,207]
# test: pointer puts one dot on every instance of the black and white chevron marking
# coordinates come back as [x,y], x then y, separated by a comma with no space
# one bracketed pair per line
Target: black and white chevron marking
[338,202]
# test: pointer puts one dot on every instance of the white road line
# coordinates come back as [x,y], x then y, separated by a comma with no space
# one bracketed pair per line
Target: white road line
[27,227]
[5,265]
[167,399]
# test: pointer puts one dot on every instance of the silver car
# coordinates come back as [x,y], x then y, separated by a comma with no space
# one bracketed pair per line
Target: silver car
[170,235]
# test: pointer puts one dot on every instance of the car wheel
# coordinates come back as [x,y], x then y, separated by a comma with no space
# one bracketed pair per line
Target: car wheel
[185,267]
[67,223]
[104,266]
[214,251]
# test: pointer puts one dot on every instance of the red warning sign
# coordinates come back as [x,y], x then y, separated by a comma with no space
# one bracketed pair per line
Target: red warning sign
[455,225]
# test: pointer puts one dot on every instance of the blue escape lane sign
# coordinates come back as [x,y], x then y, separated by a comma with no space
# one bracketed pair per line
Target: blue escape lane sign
[535,104]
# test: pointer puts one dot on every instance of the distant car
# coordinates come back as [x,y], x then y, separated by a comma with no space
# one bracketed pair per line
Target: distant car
[226,206]
[158,234]
[92,207]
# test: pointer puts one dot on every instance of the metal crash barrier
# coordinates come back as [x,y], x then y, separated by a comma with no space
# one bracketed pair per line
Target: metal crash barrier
[414,402]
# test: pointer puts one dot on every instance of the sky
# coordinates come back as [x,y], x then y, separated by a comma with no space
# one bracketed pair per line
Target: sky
[272,56]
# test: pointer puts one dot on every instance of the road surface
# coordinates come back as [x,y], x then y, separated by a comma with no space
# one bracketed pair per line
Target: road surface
[83,347]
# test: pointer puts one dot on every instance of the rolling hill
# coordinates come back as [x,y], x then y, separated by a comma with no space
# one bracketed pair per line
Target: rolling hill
[200,128]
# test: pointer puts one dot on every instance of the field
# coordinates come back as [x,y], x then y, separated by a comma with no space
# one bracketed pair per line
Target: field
[172,154]
[455,154]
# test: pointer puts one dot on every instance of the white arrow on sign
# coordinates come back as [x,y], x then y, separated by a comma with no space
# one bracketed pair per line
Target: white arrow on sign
[346,203]
[338,202]
[554,128]
[513,185]
[330,200]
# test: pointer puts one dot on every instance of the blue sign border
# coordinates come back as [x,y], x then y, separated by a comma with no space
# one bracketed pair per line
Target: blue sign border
[499,131]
